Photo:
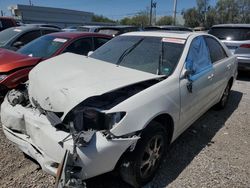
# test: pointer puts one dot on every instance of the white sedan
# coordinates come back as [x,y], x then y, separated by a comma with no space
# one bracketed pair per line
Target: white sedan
[121,107]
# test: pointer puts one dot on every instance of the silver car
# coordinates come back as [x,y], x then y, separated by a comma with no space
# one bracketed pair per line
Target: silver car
[120,107]
[237,38]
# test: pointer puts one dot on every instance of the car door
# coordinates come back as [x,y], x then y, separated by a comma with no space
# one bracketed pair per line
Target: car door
[81,46]
[221,64]
[196,89]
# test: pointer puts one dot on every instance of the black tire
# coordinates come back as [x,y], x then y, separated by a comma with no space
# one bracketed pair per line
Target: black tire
[140,167]
[224,98]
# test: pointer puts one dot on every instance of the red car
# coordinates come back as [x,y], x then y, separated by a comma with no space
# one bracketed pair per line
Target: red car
[15,66]
[7,22]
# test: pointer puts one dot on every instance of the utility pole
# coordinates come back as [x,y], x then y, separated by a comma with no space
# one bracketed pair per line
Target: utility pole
[152,5]
[1,13]
[205,15]
[150,16]
[174,12]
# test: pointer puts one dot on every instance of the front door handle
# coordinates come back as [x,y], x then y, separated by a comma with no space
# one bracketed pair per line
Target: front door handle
[210,76]
[229,66]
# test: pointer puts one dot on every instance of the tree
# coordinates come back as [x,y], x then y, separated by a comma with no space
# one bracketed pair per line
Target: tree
[191,17]
[228,11]
[100,18]
[140,19]
[165,20]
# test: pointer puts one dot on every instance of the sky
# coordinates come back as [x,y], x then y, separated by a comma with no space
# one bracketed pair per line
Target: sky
[114,9]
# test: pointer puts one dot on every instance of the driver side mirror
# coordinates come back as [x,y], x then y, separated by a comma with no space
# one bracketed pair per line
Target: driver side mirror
[187,73]
[18,44]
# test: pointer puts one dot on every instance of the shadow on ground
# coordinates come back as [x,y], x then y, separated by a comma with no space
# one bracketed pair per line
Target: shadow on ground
[183,150]
[243,75]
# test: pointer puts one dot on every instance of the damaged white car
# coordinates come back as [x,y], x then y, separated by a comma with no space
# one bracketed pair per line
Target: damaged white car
[121,107]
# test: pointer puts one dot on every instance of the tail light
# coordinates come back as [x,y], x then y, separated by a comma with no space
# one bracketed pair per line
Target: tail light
[245,46]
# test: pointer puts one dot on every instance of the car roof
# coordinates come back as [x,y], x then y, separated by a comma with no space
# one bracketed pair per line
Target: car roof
[25,28]
[72,35]
[232,25]
[171,34]
[166,26]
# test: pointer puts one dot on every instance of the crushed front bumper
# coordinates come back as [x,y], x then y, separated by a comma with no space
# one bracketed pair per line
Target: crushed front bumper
[36,137]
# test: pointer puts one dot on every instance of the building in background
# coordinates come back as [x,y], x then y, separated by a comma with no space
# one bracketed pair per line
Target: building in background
[47,15]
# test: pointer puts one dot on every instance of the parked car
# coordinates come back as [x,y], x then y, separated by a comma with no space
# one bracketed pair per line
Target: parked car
[167,28]
[237,38]
[88,28]
[44,25]
[201,29]
[15,66]
[120,107]
[7,22]
[15,37]
[70,29]
[117,30]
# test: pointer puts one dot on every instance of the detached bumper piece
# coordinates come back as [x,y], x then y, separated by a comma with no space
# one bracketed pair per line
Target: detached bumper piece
[68,173]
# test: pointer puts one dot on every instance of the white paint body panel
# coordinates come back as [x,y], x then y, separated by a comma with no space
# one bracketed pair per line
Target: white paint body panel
[60,83]
[70,79]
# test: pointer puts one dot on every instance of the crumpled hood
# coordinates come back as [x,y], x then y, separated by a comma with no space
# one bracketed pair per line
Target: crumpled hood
[10,60]
[62,82]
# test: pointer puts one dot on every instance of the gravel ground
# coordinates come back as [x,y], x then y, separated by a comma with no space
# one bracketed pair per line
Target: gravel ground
[214,152]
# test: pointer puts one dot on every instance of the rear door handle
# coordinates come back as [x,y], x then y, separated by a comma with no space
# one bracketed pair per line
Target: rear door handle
[229,66]
[210,76]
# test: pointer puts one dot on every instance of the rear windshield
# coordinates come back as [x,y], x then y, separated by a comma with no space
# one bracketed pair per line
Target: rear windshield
[7,34]
[229,33]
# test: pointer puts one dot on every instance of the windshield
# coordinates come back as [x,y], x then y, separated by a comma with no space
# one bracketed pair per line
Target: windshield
[229,33]
[146,54]
[7,34]
[43,47]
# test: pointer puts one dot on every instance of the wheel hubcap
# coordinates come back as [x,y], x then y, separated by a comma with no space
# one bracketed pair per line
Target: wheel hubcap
[225,95]
[151,156]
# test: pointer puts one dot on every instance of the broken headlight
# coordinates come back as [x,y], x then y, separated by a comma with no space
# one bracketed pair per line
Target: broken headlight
[92,118]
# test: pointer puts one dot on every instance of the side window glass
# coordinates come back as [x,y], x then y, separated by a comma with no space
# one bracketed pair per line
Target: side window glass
[99,41]
[1,25]
[27,37]
[81,46]
[216,50]
[198,60]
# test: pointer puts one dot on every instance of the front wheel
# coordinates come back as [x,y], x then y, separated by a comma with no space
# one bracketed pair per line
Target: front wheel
[141,166]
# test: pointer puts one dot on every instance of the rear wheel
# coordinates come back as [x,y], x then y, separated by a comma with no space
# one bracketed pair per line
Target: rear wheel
[224,99]
[140,167]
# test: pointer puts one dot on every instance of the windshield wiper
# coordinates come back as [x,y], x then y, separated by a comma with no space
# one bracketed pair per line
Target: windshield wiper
[128,51]
[160,59]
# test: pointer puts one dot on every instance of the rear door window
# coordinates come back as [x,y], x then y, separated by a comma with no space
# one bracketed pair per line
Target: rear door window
[215,49]
[231,33]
